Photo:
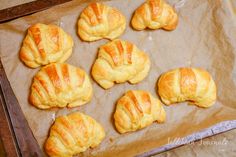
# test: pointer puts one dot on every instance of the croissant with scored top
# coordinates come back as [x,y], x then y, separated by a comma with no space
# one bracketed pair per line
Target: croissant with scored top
[187,84]
[72,134]
[136,110]
[155,14]
[120,61]
[99,21]
[45,44]
[60,85]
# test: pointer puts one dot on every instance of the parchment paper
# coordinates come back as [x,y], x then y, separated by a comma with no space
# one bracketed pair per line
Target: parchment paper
[205,37]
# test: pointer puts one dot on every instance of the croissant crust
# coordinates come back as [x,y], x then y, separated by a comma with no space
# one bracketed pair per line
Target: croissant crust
[45,44]
[120,61]
[60,85]
[72,134]
[155,14]
[136,110]
[187,84]
[99,21]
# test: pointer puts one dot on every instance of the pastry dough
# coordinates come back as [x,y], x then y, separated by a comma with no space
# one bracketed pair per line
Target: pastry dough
[60,85]
[119,61]
[72,134]
[99,21]
[155,14]
[136,110]
[187,84]
[45,44]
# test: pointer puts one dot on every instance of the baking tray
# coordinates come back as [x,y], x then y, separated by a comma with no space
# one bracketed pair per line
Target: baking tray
[16,135]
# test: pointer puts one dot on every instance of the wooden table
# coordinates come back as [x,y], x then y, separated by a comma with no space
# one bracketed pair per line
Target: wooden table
[219,145]
[206,147]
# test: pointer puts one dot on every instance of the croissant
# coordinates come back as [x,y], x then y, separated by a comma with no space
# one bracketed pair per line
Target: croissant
[60,85]
[99,21]
[155,14]
[136,110]
[72,134]
[119,61]
[45,44]
[187,84]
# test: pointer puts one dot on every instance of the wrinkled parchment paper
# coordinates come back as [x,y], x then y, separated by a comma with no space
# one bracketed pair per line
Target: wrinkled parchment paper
[205,37]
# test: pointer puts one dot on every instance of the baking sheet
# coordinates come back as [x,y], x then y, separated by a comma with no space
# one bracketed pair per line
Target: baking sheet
[205,37]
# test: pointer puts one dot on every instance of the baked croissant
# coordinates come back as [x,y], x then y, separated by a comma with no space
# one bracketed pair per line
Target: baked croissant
[72,134]
[187,84]
[45,44]
[119,61]
[136,110]
[155,14]
[60,85]
[99,21]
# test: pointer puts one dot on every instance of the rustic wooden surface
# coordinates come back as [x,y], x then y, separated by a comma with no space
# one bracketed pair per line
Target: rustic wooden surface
[201,140]
[205,147]
[7,145]
[10,3]
[22,137]
[27,8]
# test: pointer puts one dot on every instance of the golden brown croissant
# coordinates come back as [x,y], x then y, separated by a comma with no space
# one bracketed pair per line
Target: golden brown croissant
[136,110]
[119,61]
[73,134]
[45,44]
[99,21]
[60,85]
[155,14]
[187,84]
